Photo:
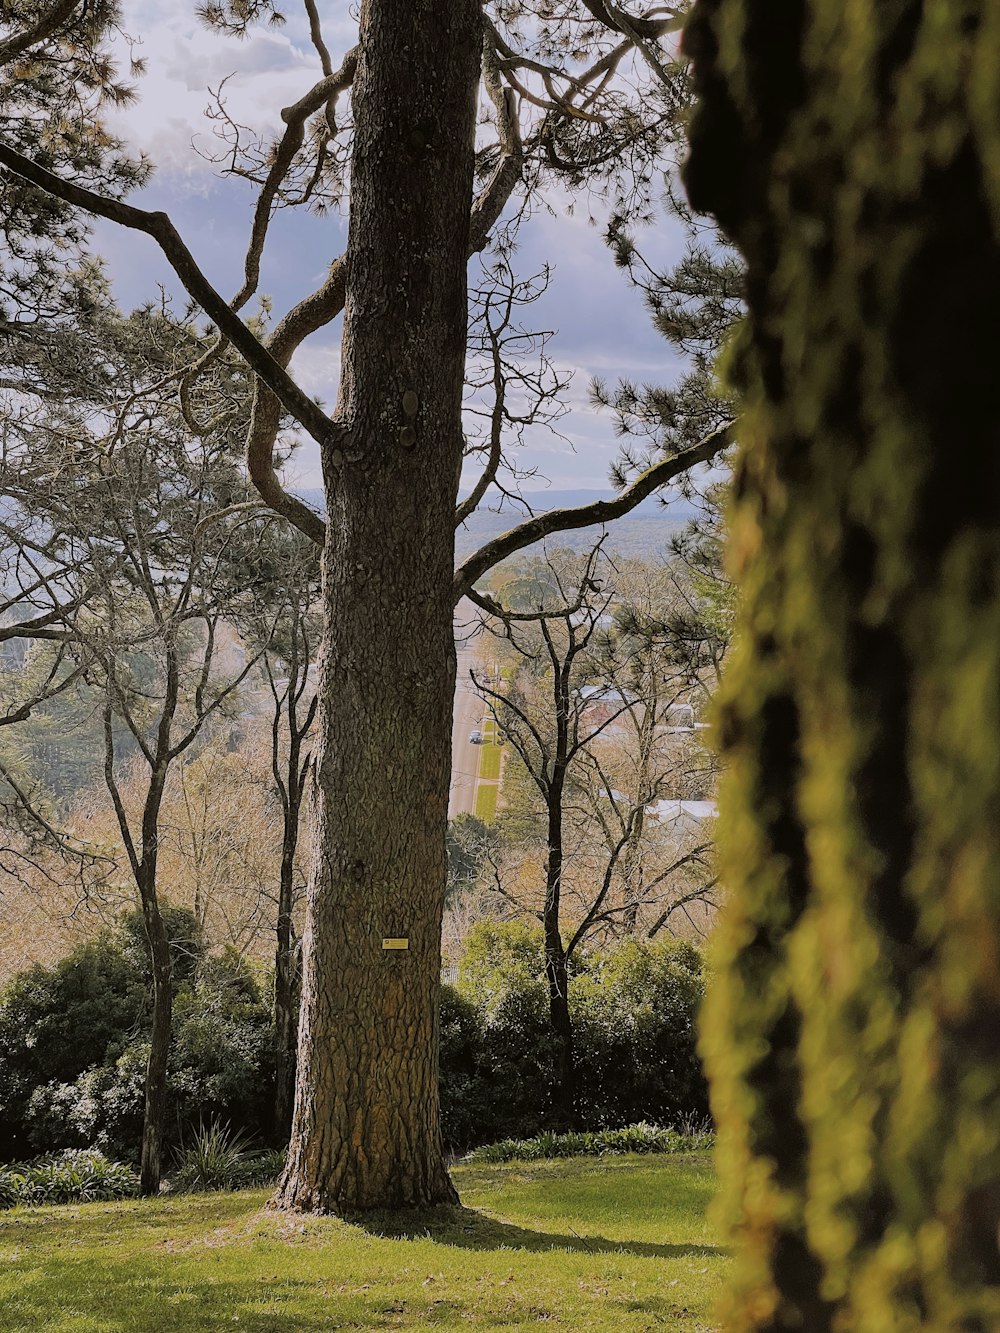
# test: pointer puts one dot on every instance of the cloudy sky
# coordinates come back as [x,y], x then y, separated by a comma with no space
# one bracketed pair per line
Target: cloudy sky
[598,319]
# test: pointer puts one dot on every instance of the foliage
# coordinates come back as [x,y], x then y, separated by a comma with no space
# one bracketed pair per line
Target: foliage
[217,1157]
[53,95]
[634,1011]
[74,1043]
[501,958]
[222,1055]
[210,1157]
[640,1138]
[469,840]
[72,1176]
[495,1064]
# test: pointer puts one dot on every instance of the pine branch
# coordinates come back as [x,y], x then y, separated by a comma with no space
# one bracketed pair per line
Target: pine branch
[584,516]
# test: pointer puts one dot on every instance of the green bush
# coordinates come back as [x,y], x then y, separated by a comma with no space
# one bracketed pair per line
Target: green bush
[222,1055]
[213,1155]
[258,1169]
[633,1009]
[72,1176]
[74,1045]
[496,1061]
[217,1157]
[641,1138]
[56,1022]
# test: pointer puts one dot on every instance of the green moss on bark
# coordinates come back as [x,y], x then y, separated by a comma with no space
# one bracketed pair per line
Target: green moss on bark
[853,1042]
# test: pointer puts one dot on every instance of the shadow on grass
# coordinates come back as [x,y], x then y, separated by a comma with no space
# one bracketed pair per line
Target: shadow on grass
[145,1300]
[467,1229]
[177,1281]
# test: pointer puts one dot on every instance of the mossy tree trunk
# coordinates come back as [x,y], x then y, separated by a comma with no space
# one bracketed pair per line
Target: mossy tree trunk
[853,1039]
[365,1129]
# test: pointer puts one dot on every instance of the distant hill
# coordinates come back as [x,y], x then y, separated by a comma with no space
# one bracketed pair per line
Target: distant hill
[646,532]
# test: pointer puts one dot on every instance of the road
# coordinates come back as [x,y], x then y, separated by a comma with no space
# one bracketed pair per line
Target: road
[467,717]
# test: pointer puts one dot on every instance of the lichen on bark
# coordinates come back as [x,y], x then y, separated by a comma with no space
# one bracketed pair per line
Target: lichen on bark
[852,151]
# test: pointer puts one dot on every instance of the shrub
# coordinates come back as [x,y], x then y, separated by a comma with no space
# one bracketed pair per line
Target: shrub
[504,1075]
[222,1055]
[56,1022]
[220,1158]
[74,1045]
[462,1102]
[258,1169]
[73,1176]
[213,1156]
[641,1138]
[633,1010]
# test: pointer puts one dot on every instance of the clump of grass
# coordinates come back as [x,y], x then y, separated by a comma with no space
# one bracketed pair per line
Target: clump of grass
[73,1176]
[641,1138]
[217,1157]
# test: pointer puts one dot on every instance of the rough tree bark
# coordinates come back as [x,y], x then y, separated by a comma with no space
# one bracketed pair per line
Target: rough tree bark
[852,153]
[365,1129]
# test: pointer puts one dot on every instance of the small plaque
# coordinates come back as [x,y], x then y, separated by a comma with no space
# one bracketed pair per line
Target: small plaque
[396,944]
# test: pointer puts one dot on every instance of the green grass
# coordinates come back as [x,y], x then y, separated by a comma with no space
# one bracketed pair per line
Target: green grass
[583,1244]
[490,755]
[489,762]
[486,803]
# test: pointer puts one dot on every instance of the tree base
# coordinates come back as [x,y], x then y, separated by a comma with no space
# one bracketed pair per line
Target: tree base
[344,1198]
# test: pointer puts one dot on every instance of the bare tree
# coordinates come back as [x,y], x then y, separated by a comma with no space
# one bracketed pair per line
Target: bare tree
[288,668]
[548,741]
[599,719]
[117,491]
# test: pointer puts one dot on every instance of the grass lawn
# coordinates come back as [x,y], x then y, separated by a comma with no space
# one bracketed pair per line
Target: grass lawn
[489,761]
[579,1244]
[486,804]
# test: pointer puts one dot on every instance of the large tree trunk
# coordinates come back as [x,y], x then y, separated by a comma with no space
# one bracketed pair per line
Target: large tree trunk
[852,1038]
[155,1108]
[366,1131]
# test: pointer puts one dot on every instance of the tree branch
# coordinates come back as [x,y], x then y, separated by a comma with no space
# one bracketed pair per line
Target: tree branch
[295,118]
[498,189]
[584,516]
[162,230]
[45,27]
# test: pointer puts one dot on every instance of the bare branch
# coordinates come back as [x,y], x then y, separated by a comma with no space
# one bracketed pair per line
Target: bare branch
[498,189]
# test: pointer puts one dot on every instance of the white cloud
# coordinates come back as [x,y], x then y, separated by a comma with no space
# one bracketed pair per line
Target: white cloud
[265,72]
